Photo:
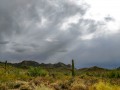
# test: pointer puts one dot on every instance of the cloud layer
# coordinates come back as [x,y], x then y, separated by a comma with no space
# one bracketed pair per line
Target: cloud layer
[54,30]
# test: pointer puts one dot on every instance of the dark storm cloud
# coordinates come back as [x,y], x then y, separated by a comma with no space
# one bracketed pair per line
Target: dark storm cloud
[102,51]
[4,42]
[31,30]
[19,20]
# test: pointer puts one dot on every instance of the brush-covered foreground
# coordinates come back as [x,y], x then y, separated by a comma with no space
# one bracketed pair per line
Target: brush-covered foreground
[37,78]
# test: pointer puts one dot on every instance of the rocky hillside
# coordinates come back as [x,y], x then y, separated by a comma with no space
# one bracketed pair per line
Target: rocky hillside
[26,64]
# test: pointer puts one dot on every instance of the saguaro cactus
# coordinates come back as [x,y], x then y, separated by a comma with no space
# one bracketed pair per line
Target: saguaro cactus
[73,68]
[5,65]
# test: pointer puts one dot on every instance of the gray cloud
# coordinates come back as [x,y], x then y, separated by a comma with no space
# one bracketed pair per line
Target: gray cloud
[4,42]
[109,18]
[32,30]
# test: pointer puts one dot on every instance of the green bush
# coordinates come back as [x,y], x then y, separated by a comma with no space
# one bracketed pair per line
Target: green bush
[111,74]
[114,74]
[37,71]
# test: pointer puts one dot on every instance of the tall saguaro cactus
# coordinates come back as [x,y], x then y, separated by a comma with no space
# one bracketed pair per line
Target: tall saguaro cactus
[5,65]
[73,68]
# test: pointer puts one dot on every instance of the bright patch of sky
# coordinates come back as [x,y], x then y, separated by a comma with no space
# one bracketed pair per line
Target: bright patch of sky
[87,37]
[99,9]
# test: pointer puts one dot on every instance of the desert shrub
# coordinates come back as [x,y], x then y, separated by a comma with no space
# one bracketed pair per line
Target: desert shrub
[83,76]
[79,84]
[25,87]
[104,86]
[13,74]
[37,71]
[3,87]
[111,74]
[64,85]
[114,74]
[67,73]
[57,75]
[43,87]
[78,87]
[106,74]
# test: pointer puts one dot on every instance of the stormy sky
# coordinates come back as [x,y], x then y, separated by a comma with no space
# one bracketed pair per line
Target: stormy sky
[52,31]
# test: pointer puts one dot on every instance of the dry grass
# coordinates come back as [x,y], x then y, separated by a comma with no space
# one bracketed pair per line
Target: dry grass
[104,86]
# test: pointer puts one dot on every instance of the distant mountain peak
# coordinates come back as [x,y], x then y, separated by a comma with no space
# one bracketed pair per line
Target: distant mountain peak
[94,68]
[60,64]
[29,63]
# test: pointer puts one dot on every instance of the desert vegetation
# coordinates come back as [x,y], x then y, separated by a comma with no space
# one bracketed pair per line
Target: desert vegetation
[32,76]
